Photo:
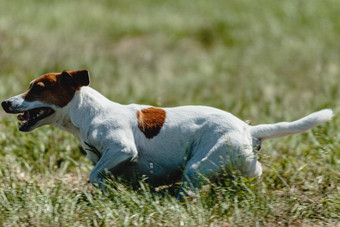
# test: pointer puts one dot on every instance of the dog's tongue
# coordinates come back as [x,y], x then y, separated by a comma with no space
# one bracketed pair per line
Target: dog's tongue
[24,117]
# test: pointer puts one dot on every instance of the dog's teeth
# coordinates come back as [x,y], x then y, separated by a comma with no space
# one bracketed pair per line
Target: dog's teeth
[21,123]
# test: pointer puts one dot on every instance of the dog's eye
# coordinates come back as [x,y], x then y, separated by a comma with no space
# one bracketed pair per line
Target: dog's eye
[38,87]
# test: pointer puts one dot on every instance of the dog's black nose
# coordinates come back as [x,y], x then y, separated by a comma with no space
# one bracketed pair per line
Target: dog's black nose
[6,106]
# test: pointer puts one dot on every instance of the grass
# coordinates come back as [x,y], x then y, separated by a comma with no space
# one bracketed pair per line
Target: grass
[264,61]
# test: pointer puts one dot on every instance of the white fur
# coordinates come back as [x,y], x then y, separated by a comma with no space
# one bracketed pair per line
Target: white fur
[288,128]
[194,142]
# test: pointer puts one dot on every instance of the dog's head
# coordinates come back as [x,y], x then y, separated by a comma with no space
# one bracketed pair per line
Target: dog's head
[45,96]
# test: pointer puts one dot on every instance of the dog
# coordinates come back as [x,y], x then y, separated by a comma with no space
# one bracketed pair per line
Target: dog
[163,145]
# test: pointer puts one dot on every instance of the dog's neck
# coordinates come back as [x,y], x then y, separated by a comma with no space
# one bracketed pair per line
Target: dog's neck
[86,104]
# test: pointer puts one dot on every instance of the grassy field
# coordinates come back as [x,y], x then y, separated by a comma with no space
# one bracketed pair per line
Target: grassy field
[264,61]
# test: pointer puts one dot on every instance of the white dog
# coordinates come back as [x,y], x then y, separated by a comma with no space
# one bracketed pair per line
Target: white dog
[162,144]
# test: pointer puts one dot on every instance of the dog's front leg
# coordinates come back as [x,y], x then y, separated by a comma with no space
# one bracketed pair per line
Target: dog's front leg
[109,161]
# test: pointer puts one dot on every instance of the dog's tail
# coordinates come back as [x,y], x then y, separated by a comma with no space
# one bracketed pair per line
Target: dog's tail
[268,131]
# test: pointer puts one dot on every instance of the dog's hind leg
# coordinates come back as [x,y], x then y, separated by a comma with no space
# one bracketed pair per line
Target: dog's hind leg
[228,154]
[201,167]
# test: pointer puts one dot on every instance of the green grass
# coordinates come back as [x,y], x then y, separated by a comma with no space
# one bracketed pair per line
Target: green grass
[264,61]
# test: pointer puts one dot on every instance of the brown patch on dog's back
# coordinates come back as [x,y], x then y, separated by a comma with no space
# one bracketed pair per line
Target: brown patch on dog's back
[150,121]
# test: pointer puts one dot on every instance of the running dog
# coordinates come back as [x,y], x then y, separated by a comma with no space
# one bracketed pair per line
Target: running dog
[163,145]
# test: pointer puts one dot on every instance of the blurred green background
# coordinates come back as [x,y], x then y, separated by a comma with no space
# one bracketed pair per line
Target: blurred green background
[250,57]
[264,61]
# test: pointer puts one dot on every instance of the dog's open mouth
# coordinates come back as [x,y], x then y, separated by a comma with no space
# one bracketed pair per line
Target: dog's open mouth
[31,117]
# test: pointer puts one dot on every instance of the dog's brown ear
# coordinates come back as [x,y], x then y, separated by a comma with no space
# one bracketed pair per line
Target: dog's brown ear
[81,77]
